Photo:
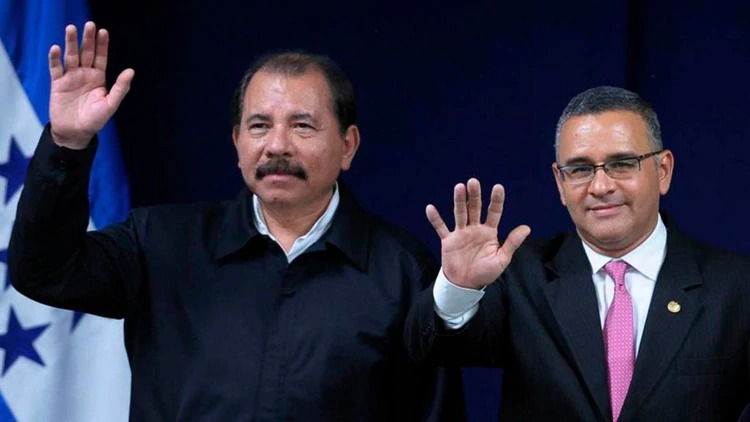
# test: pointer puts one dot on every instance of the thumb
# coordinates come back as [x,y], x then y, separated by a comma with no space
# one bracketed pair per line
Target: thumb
[515,239]
[120,89]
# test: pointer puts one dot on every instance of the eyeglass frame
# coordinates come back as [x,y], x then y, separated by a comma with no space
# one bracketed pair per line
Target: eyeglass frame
[603,166]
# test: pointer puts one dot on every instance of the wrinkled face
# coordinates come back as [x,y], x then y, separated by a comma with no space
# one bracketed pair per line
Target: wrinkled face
[288,142]
[612,216]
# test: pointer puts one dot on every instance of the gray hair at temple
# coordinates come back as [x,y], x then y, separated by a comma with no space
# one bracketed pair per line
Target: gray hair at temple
[608,98]
[298,63]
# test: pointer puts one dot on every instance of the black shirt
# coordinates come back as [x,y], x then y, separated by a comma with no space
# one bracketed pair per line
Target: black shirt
[218,325]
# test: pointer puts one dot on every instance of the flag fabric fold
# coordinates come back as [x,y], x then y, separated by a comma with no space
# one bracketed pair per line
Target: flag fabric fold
[56,365]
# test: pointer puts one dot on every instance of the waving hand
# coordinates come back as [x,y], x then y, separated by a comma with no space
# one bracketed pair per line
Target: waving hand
[79,104]
[472,255]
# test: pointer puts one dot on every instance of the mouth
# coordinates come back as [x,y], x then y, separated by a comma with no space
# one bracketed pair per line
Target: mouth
[279,176]
[606,210]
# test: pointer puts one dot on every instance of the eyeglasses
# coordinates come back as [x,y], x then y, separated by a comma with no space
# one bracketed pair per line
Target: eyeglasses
[621,168]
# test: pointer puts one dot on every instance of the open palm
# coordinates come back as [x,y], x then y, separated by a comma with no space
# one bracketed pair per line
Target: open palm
[80,105]
[472,256]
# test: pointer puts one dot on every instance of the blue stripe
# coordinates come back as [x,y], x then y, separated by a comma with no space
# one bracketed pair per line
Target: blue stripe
[5,413]
[27,29]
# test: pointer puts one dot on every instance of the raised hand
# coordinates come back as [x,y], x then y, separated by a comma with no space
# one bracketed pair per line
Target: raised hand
[472,255]
[79,104]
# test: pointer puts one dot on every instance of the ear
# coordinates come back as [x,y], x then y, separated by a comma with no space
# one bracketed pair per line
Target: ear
[235,141]
[351,145]
[559,182]
[235,134]
[664,169]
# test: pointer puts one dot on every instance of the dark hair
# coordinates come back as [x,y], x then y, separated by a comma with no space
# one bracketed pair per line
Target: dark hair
[298,63]
[608,98]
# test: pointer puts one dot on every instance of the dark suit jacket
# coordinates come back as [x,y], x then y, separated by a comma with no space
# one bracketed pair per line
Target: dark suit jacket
[540,322]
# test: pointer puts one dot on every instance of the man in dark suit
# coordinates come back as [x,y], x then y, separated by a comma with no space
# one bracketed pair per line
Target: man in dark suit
[625,319]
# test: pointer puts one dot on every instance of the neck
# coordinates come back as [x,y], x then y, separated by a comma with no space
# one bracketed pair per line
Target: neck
[288,224]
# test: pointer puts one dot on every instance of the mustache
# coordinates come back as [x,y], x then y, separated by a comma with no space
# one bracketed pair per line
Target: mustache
[280,165]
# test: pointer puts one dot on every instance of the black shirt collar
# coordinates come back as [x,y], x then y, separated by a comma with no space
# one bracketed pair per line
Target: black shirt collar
[349,232]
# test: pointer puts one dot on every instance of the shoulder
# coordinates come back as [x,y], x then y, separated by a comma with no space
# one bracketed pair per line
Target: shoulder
[356,228]
[381,250]
[179,221]
[544,249]
[681,245]
[180,213]
[723,272]
[714,258]
[387,237]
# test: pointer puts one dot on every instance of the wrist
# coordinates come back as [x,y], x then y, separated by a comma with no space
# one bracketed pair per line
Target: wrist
[71,142]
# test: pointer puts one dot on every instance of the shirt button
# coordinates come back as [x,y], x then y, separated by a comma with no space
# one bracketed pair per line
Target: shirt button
[62,165]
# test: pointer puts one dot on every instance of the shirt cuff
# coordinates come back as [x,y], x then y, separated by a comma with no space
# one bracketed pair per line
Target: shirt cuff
[455,305]
[53,162]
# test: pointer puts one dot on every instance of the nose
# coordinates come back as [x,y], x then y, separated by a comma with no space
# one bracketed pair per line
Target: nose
[279,142]
[601,184]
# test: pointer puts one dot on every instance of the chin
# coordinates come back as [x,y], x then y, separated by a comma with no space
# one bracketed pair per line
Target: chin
[613,242]
[271,194]
[607,234]
[277,198]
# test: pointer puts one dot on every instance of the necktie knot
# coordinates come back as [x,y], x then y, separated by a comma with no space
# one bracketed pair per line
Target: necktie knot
[616,270]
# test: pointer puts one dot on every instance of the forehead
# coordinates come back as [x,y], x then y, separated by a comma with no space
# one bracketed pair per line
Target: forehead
[603,134]
[268,92]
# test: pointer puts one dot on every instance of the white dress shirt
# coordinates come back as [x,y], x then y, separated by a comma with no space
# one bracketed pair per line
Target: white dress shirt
[305,241]
[457,305]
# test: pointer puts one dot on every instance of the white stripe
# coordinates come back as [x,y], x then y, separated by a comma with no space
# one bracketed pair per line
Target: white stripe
[86,376]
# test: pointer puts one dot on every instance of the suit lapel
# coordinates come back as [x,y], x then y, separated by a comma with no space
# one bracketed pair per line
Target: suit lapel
[572,298]
[665,330]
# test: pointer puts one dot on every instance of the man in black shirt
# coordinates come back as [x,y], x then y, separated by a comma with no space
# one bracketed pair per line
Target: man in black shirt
[286,303]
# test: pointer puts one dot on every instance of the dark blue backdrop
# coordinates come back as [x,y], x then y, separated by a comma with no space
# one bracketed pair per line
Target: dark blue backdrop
[446,92]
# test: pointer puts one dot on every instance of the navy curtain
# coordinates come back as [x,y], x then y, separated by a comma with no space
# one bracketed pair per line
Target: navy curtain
[447,91]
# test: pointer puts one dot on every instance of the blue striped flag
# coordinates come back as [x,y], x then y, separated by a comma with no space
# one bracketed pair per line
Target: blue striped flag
[56,365]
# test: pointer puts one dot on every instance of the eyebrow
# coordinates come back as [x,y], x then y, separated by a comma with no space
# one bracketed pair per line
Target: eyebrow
[577,161]
[294,116]
[257,116]
[302,116]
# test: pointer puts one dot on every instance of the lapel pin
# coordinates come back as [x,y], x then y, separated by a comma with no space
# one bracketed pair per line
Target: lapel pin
[673,307]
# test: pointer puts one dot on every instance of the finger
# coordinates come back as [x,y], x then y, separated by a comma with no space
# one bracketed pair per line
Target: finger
[433,216]
[474,203]
[88,44]
[55,64]
[459,205]
[495,209]
[514,240]
[71,47]
[102,49]
[120,89]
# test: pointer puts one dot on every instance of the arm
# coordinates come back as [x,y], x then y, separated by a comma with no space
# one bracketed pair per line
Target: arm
[473,258]
[51,258]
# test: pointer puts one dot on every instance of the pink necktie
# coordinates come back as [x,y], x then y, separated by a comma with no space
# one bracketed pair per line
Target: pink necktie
[619,341]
